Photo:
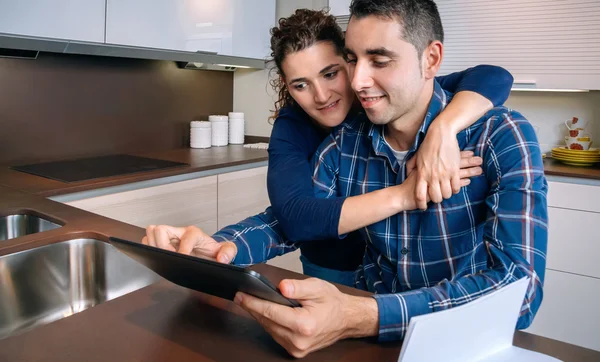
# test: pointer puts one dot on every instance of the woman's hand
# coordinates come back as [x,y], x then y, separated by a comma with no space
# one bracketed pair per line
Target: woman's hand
[438,164]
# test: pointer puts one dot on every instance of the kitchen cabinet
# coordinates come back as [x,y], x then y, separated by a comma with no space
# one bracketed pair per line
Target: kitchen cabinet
[210,203]
[60,19]
[573,244]
[191,202]
[339,7]
[572,283]
[243,194]
[227,27]
[569,311]
[543,44]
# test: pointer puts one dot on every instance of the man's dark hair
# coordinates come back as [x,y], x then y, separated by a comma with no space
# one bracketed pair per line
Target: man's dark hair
[420,19]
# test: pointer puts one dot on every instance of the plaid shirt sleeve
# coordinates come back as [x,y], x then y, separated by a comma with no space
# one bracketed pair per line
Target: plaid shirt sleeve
[326,167]
[515,232]
[258,239]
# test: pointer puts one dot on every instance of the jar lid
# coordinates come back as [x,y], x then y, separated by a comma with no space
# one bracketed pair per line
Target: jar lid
[217,118]
[199,124]
[236,115]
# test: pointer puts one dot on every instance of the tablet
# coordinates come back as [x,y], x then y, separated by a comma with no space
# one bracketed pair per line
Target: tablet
[206,276]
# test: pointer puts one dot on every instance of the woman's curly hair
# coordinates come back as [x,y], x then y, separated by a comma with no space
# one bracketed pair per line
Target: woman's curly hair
[297,32]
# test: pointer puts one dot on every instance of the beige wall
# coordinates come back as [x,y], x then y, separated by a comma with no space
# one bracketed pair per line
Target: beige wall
[548,111]
[251,92]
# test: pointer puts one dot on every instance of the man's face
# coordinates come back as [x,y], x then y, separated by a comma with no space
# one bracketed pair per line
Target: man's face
[384,69]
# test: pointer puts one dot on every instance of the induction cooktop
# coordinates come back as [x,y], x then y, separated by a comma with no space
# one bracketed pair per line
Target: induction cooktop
[84,169]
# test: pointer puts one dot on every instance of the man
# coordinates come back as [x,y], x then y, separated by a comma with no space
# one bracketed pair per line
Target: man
[490,234]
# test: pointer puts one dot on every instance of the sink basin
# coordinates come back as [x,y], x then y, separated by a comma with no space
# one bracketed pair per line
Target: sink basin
[13,226]
[44,284]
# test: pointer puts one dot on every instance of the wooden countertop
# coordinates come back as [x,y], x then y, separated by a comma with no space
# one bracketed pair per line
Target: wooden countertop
[199,160]
[164,322]
[557,168]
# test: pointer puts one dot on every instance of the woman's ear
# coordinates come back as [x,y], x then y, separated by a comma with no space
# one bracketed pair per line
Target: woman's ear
[432,59]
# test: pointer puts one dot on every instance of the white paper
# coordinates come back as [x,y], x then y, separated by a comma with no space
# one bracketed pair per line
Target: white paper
[478,331]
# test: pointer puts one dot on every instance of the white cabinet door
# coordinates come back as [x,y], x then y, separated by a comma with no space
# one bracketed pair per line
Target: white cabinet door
[60,19]
[252,22]
[569,310]
[242,194]
[573,245]
[339,7]
[574,196]
[192,202]
[227,27]
[554,44]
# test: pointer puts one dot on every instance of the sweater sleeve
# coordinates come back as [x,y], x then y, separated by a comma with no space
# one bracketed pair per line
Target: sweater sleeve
[492,82]
[301,215]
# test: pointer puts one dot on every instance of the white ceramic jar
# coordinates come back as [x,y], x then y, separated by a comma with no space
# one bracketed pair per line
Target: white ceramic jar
[200,134]
[236,128]
[220,130]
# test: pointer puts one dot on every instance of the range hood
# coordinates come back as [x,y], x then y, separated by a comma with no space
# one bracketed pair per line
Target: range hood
[207,60]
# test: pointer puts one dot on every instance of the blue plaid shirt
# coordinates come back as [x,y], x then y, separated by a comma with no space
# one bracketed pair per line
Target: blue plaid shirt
[490,234]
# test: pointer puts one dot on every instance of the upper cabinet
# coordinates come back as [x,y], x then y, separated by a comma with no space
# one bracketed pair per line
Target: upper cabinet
[543,44]
[226,27]
[60,19]
[339,7]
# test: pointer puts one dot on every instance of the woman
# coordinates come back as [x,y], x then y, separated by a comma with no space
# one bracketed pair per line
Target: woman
[314,97]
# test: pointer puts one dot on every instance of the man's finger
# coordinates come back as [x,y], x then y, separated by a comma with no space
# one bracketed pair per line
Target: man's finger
[262,309]
[150,235]
[198,241]
[227,252]
[307,289]
[470,162]
[467,154]
[162,238]
[470,172]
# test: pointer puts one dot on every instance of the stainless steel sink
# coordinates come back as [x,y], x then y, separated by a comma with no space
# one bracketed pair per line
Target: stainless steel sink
[42,285]
[13,226]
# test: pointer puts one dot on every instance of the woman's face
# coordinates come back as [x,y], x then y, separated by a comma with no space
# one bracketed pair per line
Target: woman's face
[317,79]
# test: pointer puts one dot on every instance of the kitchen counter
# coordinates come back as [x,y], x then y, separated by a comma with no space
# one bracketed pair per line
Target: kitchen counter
[198,159]
[164,322]
[556,168]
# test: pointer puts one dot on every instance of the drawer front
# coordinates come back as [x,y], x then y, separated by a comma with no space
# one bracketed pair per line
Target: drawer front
[241,194]
[573,196]
[573,242]
[192,202]
[569,310]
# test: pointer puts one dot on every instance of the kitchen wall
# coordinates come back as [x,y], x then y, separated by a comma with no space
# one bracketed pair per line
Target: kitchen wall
[65,106]
[251,92]
[547,111]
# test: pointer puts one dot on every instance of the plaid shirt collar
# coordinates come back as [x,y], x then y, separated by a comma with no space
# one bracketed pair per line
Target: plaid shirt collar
[439,100]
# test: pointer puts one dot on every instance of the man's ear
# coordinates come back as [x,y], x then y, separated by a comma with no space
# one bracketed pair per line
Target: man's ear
[432,59]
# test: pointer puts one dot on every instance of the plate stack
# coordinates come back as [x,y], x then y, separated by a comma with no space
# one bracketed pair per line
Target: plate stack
[576,157]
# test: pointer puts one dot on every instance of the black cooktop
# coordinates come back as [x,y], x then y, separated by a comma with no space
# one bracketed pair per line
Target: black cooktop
[96,167]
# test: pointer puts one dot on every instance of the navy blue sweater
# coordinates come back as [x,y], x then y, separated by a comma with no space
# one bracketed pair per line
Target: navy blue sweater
[303,217]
